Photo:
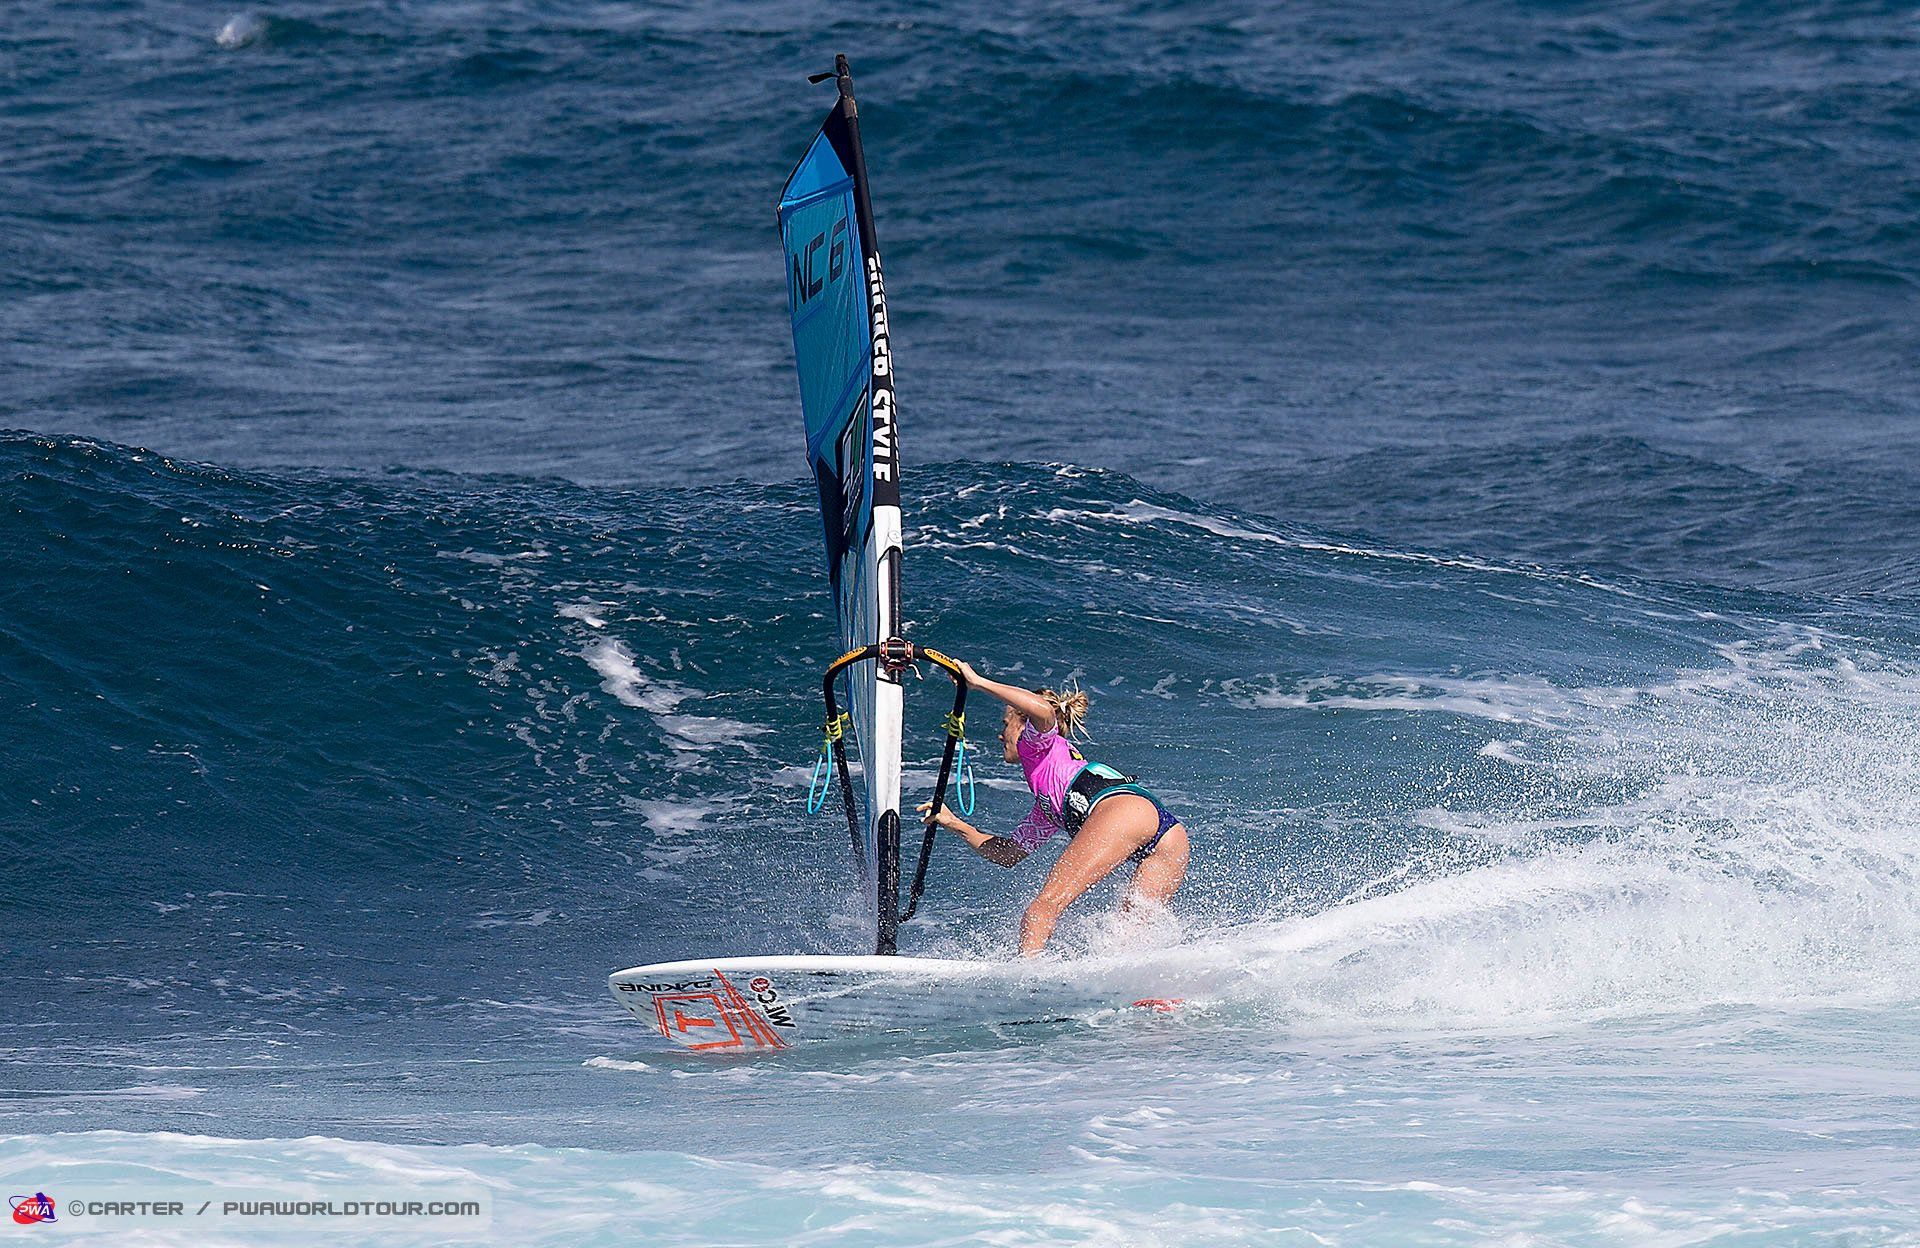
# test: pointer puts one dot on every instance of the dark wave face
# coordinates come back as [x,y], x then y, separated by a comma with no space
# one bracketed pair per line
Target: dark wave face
[339,702]
[1469,456]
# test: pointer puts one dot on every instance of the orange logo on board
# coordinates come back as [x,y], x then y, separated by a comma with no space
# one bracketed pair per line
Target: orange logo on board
[720,1020]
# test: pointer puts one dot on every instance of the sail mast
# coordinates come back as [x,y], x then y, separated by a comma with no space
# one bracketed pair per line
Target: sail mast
[837,301]
[886,428]
[884,757]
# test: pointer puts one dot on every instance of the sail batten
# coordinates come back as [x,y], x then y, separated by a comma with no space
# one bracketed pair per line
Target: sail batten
[836,298]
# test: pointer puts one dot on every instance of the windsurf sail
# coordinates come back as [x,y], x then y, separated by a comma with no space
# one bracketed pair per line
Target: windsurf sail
[837,300]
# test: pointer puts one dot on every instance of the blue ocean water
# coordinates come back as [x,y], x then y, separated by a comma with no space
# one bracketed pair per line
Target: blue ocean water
[1471,458]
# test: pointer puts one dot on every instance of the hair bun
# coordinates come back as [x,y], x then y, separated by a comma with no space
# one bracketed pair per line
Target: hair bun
[1069,710]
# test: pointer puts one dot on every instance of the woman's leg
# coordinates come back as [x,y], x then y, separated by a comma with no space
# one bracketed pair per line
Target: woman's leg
[1116,827]
[1157,879]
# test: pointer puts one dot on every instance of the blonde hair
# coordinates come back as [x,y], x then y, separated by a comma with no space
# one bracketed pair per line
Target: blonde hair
[1069,710]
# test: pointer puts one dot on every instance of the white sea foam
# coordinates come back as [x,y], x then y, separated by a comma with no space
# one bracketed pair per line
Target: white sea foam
[493,559]
[619,677]
[1507,752]
[1126,1191]
[1138,511]
[240,30]
[674,818]
[701,732]
[1746,832]
[494,918]
[587,613]
[1506,700]
[622,677]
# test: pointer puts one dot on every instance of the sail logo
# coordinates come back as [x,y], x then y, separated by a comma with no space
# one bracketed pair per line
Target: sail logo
[886,454]
[806,284]
[853,480]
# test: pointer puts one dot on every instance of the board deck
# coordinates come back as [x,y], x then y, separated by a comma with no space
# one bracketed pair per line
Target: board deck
[766,1004]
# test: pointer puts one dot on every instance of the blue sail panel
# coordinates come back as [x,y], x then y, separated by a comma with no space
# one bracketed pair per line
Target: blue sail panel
[819,172]
[832,347]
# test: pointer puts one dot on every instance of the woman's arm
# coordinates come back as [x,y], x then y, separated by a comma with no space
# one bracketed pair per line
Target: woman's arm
[999,850]
[1037,710]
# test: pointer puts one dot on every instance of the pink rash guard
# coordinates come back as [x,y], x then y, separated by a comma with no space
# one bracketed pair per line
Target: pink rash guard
[1051,763]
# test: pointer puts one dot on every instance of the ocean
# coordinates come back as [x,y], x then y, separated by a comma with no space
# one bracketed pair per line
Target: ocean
[1470,457]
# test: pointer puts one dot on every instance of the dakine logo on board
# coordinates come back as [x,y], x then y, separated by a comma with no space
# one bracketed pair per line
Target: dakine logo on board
[691,985]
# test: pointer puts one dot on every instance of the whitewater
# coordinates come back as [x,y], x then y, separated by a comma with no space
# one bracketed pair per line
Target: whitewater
[1469,459]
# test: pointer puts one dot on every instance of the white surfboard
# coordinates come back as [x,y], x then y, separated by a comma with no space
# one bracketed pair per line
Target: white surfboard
[761,1005]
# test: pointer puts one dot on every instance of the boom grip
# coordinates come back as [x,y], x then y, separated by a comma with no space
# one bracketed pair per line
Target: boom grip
[896,654]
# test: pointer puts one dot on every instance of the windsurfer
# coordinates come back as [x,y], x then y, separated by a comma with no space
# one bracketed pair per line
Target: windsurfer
[1109,818]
